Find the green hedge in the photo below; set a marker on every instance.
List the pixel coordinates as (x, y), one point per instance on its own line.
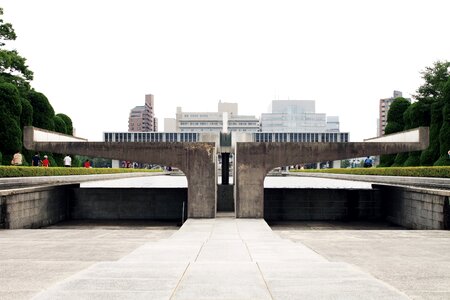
(443, 172)
(12, 171)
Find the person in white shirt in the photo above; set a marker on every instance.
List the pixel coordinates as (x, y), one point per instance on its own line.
(67, 161)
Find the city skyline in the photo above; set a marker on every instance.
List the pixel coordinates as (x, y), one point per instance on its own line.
(95, 61)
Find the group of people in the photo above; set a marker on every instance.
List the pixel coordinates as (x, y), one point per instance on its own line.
(36, 161)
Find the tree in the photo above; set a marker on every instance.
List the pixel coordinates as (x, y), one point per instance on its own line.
(60, 125)
(431, 154)
(395, 123)
(68, 123)
(435, 93)
(20, 105)
(444, 132)
(13, 68)
(43, 113)
(26, 117)
(418, 114)
(435, 78)
(10, 110)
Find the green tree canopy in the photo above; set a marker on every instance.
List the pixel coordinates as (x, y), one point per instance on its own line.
(26, 118)
(43, 113)
(60, 125)
(13, 67)
(395, 123)
(435, 78)
(68, 122)
(10, 111)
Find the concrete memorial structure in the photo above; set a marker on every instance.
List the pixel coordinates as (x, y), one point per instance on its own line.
(253, 160)
(196, 160)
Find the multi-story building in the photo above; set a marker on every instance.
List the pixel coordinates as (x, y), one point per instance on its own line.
(142, 118)
(297, 116)
(385, 104)
(227, 113)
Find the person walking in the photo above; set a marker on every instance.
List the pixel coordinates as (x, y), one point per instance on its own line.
(45, 162)
(36, 160)
(87, 163)
(368, 162)
(17, 159)
(67, 161)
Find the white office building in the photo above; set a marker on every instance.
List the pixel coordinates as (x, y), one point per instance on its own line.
(297, 116)
(227, 114)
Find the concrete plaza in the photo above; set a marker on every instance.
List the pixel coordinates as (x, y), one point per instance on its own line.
(224, 258)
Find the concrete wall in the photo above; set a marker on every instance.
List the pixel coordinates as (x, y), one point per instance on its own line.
(128, 203)
(34, 207)
(321, 205)
(416, 208)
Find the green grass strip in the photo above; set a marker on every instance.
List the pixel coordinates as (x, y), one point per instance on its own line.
(442, 172)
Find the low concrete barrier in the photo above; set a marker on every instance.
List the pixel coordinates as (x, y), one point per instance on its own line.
(34, 207)
(416, 208)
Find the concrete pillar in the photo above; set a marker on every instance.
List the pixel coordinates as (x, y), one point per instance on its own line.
(201, 173)
(249, 191)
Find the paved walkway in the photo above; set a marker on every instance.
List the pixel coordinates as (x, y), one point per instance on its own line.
(222, 258)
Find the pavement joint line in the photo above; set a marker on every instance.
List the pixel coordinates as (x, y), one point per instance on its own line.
(199, 251)
(179, 281)
(264, 279)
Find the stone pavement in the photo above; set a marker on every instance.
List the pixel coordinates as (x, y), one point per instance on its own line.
(223, 258)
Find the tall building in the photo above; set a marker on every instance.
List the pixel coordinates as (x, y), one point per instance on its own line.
(142, 118)
(385, 104)
(227, 113)
(297, 116)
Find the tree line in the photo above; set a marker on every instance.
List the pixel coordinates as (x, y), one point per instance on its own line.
(20, 104)
(432, 109)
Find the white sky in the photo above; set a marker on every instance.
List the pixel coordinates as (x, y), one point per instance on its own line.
(95, 60)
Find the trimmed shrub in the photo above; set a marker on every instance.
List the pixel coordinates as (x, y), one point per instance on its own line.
(43, 112)
(444, 138)
(400, 159)
(10, 110)
(395, 124)
(431, 154)
(413, 159)
(60, 125)
(68, 122)
(13, 171)
(417, 114)
(26, 118)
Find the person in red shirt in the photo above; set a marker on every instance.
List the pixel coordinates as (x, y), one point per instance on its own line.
(45, 162)
(87, 163)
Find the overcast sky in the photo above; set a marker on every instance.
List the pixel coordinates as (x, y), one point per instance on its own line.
(95, 60)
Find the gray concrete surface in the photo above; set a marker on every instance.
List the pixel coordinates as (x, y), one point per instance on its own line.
(224, 258)
(415, 262)
(32, 260)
